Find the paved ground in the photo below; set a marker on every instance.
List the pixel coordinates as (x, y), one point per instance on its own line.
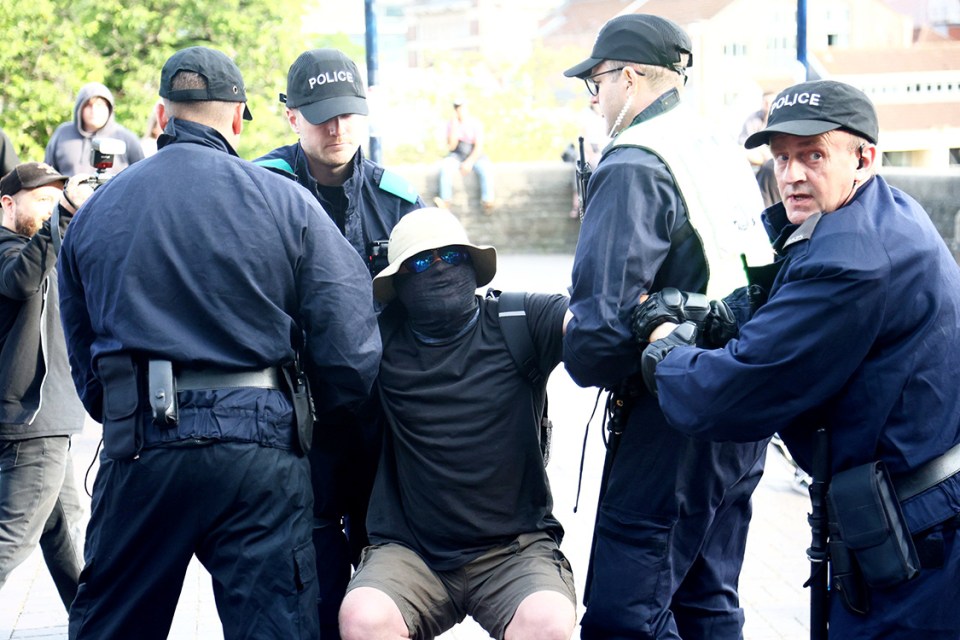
(770, 585)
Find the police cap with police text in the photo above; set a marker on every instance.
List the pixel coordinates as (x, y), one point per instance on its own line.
(812, 108)
(637, 37)
(224, 82)
(29, 175)
(324, 84)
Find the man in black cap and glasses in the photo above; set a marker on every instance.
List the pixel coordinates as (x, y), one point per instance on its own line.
(327, 108)
(195, 289)
(858, 347)
(670, 203)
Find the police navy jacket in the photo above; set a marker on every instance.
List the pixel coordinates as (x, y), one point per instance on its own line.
(861, 334)
(377, 198)
(199, 257)
(640, 253)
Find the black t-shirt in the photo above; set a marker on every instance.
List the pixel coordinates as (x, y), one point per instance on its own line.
(461, 470)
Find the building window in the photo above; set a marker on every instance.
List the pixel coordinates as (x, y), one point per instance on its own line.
(897, 159)
(955, 156)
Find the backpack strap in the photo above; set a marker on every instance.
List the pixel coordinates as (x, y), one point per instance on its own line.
(516, 332)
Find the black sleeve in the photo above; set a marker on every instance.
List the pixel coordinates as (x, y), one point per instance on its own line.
(545, 318)
(8, 155)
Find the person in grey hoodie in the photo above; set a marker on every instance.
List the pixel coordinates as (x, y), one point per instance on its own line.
(68, 150)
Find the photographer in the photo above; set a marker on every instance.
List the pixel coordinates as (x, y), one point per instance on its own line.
(365, 201)
(38, 499)
(68, 150)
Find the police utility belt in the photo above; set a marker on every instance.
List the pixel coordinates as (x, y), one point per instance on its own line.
(122, 375)
(870, 544)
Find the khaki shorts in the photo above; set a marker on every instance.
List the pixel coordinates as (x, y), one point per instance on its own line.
(489, 588)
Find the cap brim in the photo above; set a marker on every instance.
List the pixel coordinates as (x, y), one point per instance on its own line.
(323, 110)
(583, 69)
(794, 128)
(483, 257)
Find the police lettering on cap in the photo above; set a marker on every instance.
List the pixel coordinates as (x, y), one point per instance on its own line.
(812, 108)
(224, 81)
(638, 37)
(29, 175)
(324, 84)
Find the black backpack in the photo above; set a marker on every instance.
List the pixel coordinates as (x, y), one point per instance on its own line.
(516, 332)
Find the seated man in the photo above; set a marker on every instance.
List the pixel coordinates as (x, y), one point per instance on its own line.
(465, 146)
(460, 517)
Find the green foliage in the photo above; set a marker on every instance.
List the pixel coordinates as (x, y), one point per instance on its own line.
(53, 47)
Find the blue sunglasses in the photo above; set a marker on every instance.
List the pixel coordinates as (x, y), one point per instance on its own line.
(426, 259)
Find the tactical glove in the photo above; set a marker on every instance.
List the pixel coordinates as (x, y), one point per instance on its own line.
(720, 325)
(683, 336)
(669, 305)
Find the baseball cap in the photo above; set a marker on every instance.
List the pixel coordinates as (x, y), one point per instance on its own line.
(812, 108)
(424, 229)
(637, 37)
(224, 82)
(29, 175)
(324, 84)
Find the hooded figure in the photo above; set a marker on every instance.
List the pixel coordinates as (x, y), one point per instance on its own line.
(68, 150)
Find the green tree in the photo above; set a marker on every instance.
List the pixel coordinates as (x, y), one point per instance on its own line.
(54, 47)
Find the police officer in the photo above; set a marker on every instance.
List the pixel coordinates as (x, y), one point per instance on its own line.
(861, 337)
(664, 206)
(327, 109)
(188, 282)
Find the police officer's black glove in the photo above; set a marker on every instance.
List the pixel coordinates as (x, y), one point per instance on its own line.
(683, 336)
(669, 305)
(720, 325)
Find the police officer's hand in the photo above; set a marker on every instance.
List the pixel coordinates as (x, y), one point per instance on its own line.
(75, 193)
(720, 326)
(669, 305)
(684, 335)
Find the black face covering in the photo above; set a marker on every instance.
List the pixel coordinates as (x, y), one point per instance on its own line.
(441, 300)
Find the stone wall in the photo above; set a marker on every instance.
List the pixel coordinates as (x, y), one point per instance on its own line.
(534, 201)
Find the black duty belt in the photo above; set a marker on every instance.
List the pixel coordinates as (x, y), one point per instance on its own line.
(196, 379)
(929, 475)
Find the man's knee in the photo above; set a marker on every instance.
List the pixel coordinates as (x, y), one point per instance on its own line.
(544, 615)
(370, 613)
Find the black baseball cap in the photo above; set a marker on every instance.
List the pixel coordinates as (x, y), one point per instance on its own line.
(637, 37)
(29, 175)
(224, 82)
(324, 84)
(812, 108)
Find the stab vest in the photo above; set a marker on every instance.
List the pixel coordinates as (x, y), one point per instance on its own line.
(705, 165)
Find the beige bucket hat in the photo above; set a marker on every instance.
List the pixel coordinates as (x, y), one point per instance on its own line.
(424, 229)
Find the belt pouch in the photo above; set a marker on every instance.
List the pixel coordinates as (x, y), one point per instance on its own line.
(846, 578)
(302, 405)
(122, 428)
(864, 505)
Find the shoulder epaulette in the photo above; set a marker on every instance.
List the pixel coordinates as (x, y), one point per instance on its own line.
(395, 185)
(277, 165)
(804, 231)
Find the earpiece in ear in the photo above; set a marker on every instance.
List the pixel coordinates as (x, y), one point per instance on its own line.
(860, 163)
